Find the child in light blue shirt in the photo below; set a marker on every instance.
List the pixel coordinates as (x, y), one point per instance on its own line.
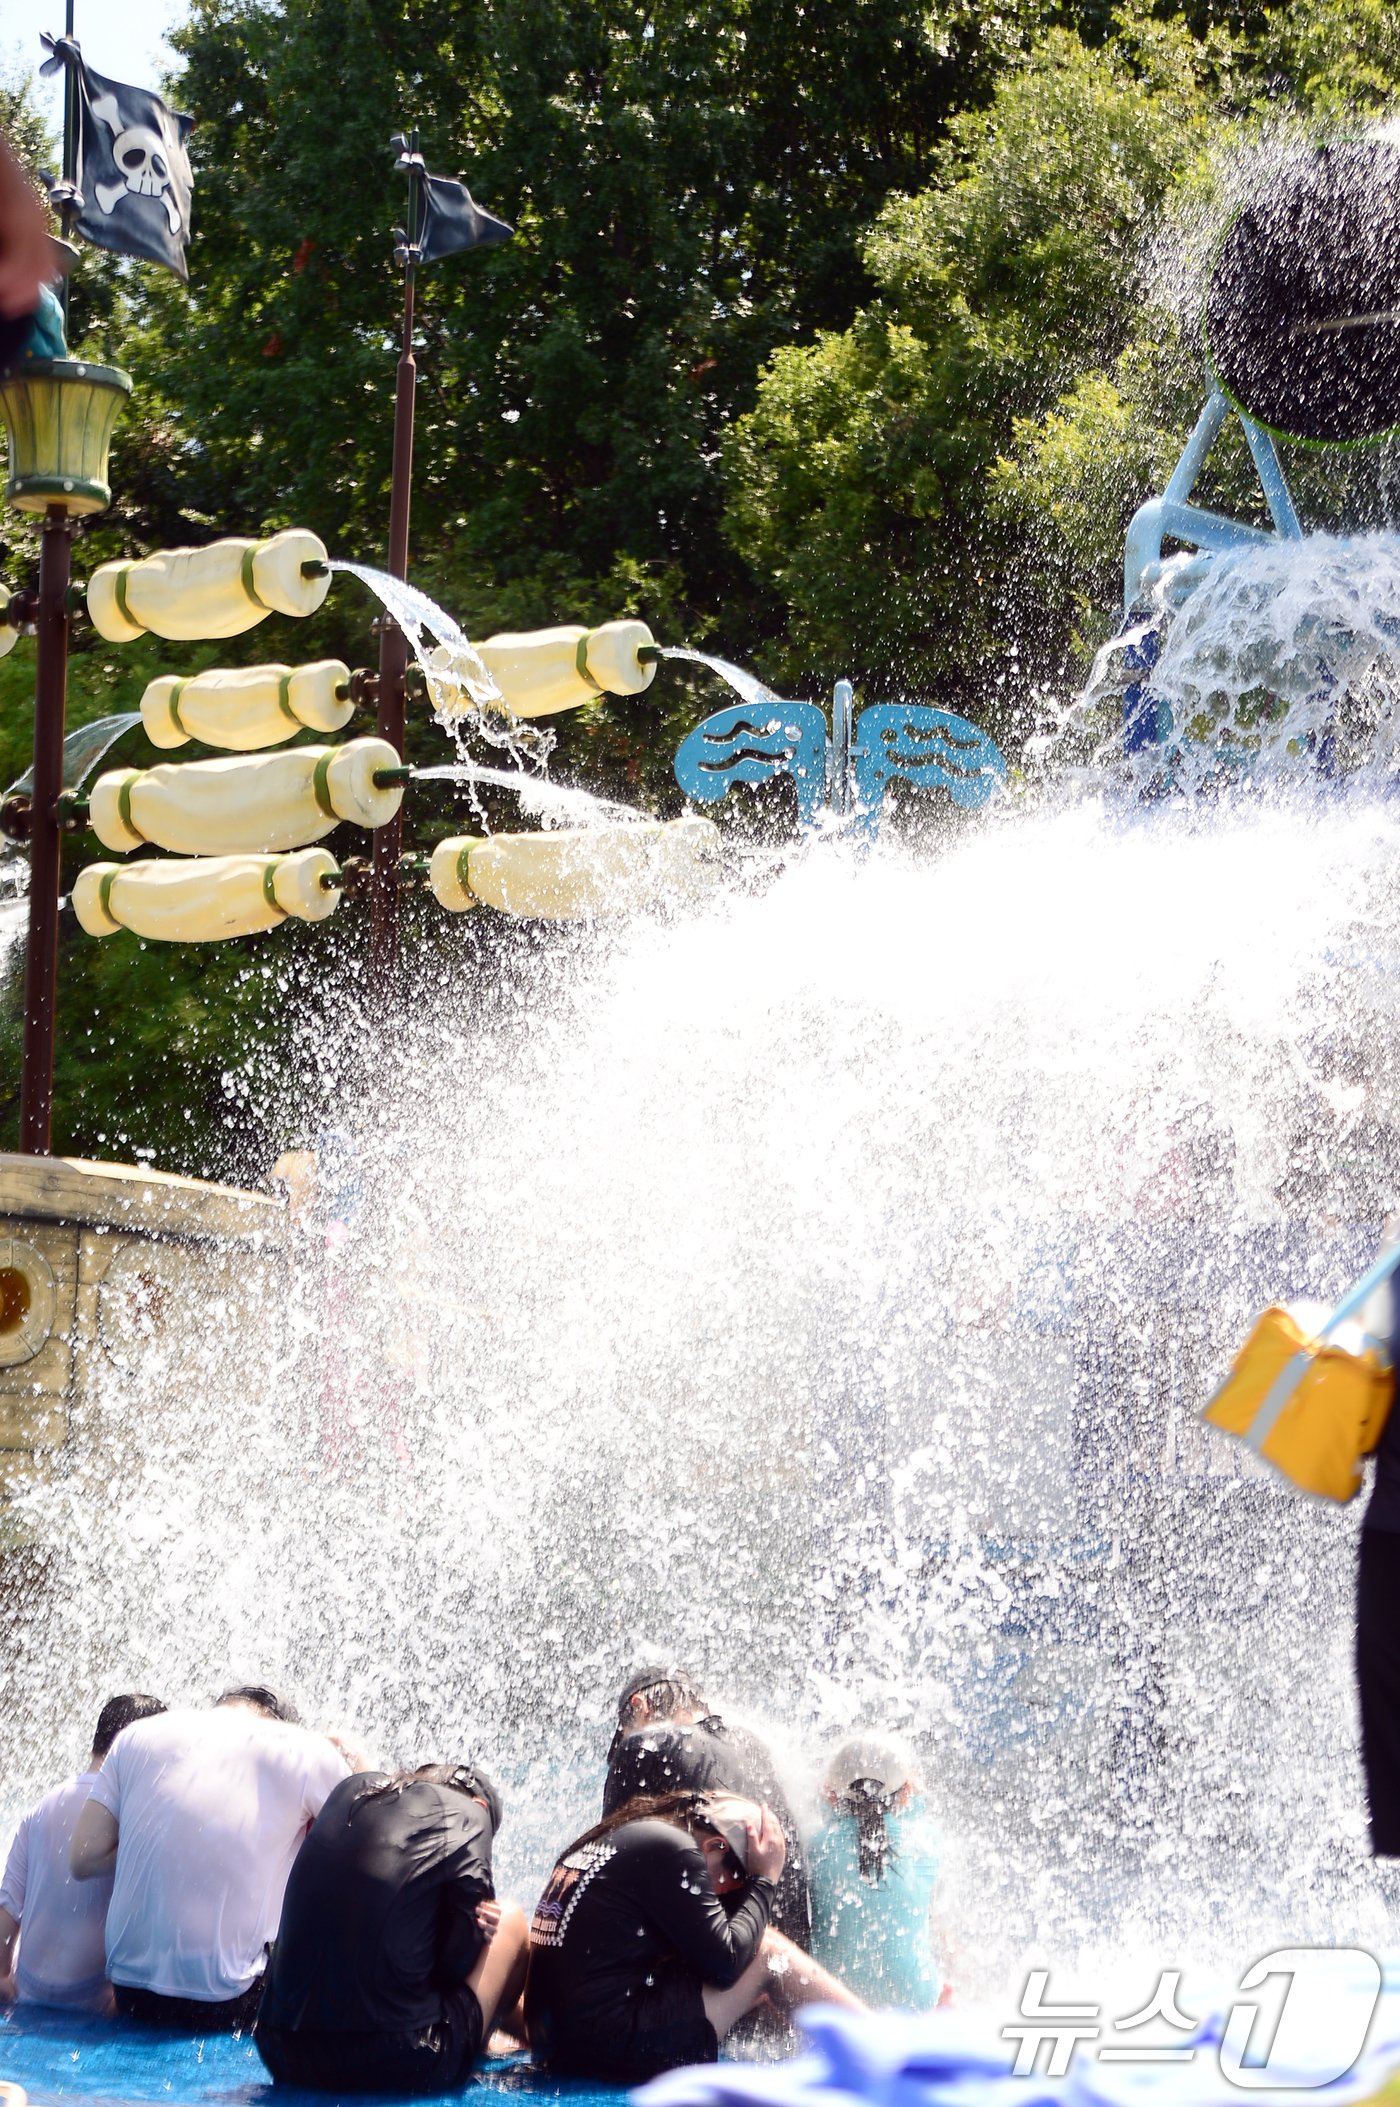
(874, 1864)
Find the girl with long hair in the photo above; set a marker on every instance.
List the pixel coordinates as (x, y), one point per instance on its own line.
(652, 1939)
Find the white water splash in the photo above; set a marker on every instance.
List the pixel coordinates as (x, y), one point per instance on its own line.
(464, 697)
(1276, 656)
(819, 1286)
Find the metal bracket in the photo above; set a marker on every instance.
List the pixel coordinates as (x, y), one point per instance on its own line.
(16, 817)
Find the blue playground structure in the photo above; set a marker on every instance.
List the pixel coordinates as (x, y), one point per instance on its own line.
(846, 773)
(1172, 516)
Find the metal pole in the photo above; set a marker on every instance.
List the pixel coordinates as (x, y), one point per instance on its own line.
(45, 839)
(393, 644)
(68, 214)
(841, 701)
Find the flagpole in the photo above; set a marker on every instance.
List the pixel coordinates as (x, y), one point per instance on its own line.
(68, 211)
(393, 644)
(50, 713)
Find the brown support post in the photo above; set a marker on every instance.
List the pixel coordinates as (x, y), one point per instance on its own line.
(393, 664)
(45, 838)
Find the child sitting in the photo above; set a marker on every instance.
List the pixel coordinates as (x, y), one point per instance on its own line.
(874, 1864)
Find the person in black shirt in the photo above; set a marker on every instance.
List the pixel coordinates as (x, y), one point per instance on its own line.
(668, 1740)
(394, 1958)
(652, 1939)
(1377, 1634)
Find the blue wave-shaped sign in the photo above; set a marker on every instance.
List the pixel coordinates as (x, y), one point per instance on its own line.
(752, 743)
(927, 747)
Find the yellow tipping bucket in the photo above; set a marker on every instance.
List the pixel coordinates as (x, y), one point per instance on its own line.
(1310, 1409)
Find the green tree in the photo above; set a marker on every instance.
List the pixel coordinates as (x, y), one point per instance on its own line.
(862, 487)
(690, 186)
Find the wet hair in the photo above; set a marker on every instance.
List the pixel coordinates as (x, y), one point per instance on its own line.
(263, 1700)
(667, 1689)
(683, 1810)
(123, 1711)
(868, 1802)
(457, 1777)
(865, 1777)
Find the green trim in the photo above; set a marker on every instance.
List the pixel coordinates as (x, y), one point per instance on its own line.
(104, 893)
(463, 875)
(119, 589)
(245, 576)
(269, 886)
(77, 369)
(284, 699)
(128, 784)
(173, 705)
(321, 785)
(62, 490)
(581, 662)
(1278, 431)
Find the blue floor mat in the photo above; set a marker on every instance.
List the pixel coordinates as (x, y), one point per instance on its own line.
(59, 2058)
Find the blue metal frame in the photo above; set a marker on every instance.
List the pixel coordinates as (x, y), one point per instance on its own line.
(1173, 514)
(1146, 721)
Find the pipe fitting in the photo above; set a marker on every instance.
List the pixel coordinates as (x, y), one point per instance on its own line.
(16, 817)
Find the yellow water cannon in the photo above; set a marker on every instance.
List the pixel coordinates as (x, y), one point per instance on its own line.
(243, 709)
(218, 591)
(543, 671)
(578, 872)
(206, 899)
(254, 804)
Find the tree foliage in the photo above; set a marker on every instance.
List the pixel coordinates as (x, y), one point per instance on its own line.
(864, 483)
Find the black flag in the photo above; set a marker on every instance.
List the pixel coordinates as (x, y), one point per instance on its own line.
(133, 176)
(452, 220)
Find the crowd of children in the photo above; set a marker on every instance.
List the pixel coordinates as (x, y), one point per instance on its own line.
(228, 1868)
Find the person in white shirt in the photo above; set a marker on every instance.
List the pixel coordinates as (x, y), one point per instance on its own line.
(61, 1926)
(201, 1813)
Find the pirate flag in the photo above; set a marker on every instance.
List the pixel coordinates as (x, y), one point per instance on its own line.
(1302, 315)
(133, 182)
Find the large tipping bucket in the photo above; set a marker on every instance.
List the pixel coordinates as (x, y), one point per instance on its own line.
(1302, 313)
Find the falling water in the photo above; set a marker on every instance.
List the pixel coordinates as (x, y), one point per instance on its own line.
(747, 686)
(819, 1285)
(553, 804)
(821, 1288)
(464, 697)
(84, 751)
(1268, 656)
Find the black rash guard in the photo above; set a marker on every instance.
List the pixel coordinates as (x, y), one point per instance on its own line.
(625, 1938)
(379, 1919)
(710, 1756)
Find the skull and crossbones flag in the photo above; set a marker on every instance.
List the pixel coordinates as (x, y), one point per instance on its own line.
(453, 220)
(133, 184)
